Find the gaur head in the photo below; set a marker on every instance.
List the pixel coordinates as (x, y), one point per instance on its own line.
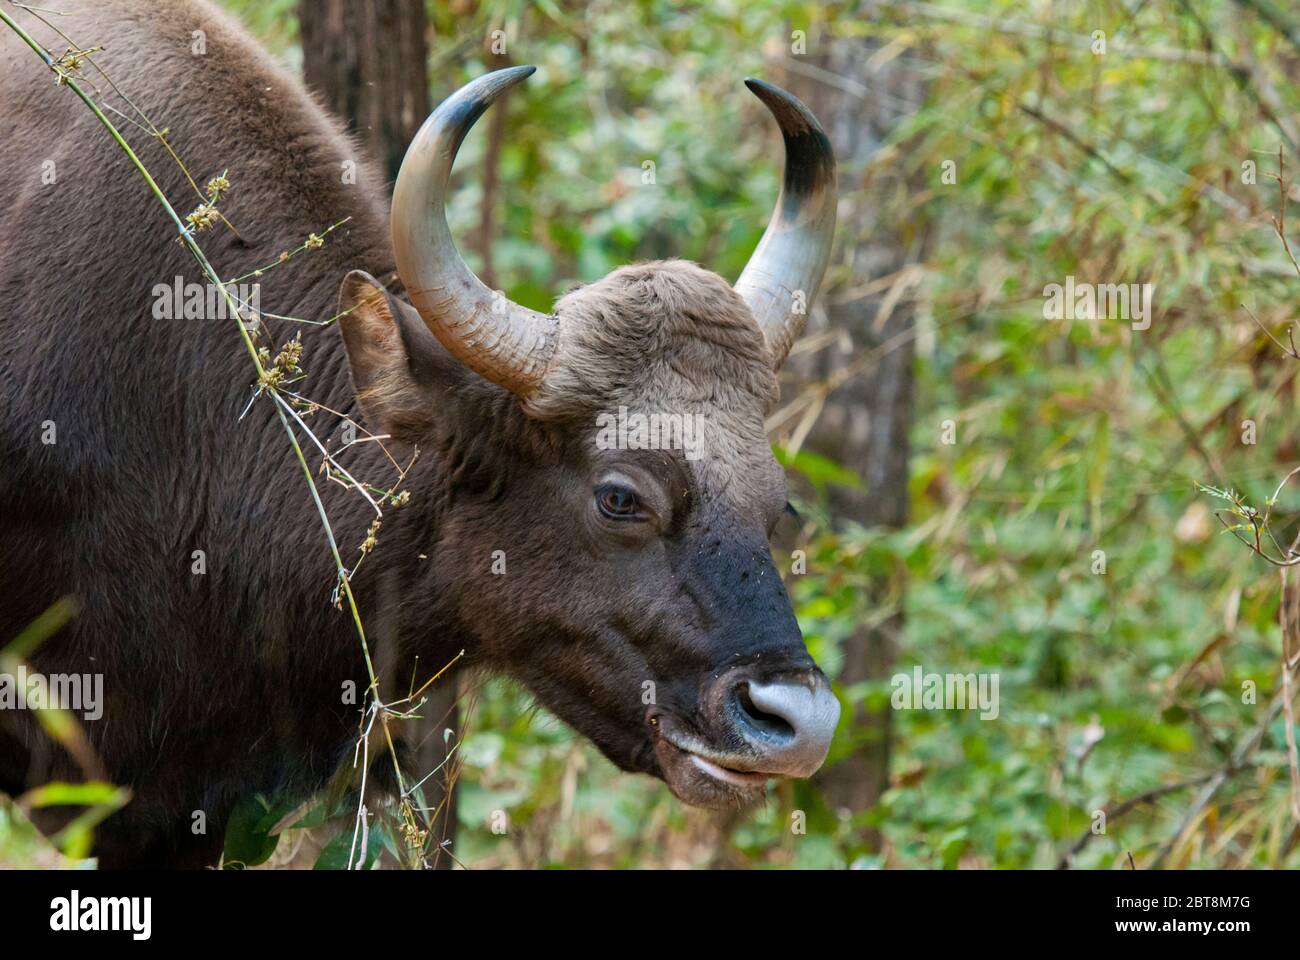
(610, 457)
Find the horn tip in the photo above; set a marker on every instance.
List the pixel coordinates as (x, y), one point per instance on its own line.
(498, 81)
(467, 104)
(788, 109)
(769, 93)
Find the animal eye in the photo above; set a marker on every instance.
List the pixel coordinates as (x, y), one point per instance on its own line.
(618, 503)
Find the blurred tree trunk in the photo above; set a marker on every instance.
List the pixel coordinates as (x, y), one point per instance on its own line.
(496, 134)
(865, 423)
(368, 60)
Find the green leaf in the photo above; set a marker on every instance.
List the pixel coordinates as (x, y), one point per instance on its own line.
(248, 841)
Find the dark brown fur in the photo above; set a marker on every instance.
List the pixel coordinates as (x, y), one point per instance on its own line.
(228, 683)
(243, 666)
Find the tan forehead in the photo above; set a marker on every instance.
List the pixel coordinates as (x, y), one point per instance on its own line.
(723, 449)
(741, 470)
(667, 335)
(669, 355)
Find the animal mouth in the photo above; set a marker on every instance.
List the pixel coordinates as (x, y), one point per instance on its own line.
(737, 778)
(704, 777)
(742, 733)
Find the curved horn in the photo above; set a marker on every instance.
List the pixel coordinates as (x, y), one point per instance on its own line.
(784, 272)
(496, 338)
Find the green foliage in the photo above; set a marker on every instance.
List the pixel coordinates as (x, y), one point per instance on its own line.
(249, 837)
(1072, 436)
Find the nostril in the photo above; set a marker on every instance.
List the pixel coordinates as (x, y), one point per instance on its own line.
(772, 724)
(786, 723)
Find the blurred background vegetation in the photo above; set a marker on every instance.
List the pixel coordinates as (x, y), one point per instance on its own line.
(1116, 142)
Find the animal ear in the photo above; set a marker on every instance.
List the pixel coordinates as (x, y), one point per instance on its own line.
(393, 358)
